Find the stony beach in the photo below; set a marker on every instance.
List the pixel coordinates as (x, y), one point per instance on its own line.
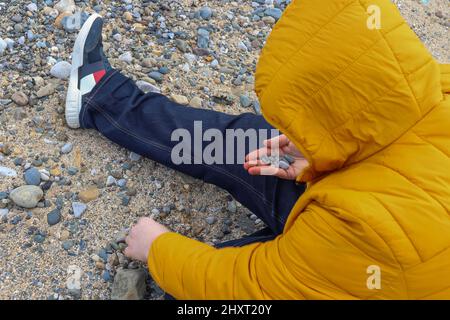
(67, 197)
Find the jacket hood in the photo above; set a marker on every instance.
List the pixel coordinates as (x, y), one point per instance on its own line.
(342, 91)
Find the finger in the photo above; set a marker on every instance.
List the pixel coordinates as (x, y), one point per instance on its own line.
(255, 163)
(259, 154)
(277, 142)
(128, 239)
(254, 155)
(144, 220)
(263, 171)
(127, 252)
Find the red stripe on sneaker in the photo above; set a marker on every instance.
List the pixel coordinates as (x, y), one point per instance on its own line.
(99, 75)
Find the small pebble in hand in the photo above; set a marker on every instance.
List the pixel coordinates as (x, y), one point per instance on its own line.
(265, 160)
(283, 165)
(289, 159)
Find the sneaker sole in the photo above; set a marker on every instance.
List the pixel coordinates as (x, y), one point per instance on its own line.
(73, 99)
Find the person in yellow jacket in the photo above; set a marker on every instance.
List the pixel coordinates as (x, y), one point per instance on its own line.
(364, 112)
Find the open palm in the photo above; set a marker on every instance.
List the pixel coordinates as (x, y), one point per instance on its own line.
(276, 147)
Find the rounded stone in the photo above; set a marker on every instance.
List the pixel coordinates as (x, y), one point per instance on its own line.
(61, 70)
(20, 98)
(67, 148)
(205, 13)
(32, 176)
(283, 165)
(26, 196)
(54, 217)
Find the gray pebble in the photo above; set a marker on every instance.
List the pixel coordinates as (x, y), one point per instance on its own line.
(78, 209)
(231, 207)
(61, 70)
(211, 220)
(289, 159)
(135, 156)
(26, 196)
(67, 148)
(245, 101)
(54, 217)
(283, 164)
(68, 244)
(155, 75)
(111, 181)
(206, 13)
(32, 177)
(7, 172)
(126, 57)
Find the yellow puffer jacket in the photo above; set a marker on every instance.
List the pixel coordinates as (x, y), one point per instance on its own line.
(370, 109)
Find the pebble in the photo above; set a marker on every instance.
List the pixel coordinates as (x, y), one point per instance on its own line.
(206, 13)
(122, 183)
(242, 46)
(4, 213)
(269, 20)
(32, 176)
(26, 196)
(73, 282)
(157, 76)
(274, 13)
(182, 45)
(67, 245)
(103, 255)
(282, 164)
(111, 181)
(72, 171)
(179, 99)
(129, 284)
(117, 37)
(39, 238)
(72, 23)
(106, 276)
(61, 70)
(147, 87)
(3, 46)
(125, 200)
(231, 207)
(126, 57)
(67, 148)
(128, 16)
(211, 220)
(203, 38)
(32, 7)
(257, 107)
(89, 194)
(289, 159)
(245, 101)
(7, 172)
(20, 98)
(65, 6)
(196, 102)
(45, 91)
(54, 217)
(78, 209)
(135, 157)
